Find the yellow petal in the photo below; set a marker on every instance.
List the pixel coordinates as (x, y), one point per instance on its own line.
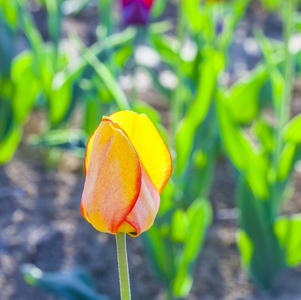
(113, 179)
(127, 228)
(151, 149)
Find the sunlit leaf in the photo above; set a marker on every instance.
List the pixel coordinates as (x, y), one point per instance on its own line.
(244, 98)
(196, 17)
(208, 71)
(245, 247)
(179, 226)
(253, 166)
(26, 86)
(122, 55)
(286, 161)
(199, 217)
(60, 100)
(9, 144)
(292, 133)
(167, 47)
(92, 115)
(10, 10)
(265, 134)
(288, 231)
(158, 8)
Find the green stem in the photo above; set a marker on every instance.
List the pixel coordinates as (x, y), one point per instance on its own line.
(124, 278)
(169, 295)
(104, 16)
(283, 109)
(177, 99)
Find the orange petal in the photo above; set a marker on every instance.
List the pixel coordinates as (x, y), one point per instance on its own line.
(149, 145)
(113, 179)
(142, 217)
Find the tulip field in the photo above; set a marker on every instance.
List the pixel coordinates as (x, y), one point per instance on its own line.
(150, 149)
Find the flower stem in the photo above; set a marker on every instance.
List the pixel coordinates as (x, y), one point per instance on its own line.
(177, 97)
(282, 109)
(124, 278)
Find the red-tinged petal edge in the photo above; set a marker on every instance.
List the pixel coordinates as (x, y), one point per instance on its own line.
(83, 210)
(143, 214)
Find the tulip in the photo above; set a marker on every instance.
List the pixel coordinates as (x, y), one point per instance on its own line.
(127, 165)
(136, 11)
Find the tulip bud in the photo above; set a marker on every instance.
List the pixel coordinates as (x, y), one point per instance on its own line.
(127, 166)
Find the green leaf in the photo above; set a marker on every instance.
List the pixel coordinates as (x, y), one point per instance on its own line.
(199, 217)
(244, 96)
(33, 35)
(106, 75)
(60, 99)
(286, 161)
(61, 91)
(179, 226)
(103, 93)
(160, 27)
(197, 18)
(10, 10)
(45, 71)
(288, 231)
(74, 284)
(208, 72)
(271, 5)
(167, 47)
(272, 59)
(54, 19)
(258, 239)
(71, 140)
(7, 87)
(265, 134)
(26, 86)
(9, 144)
(292, 132)
(122, 55)
(119, 39)
(92, 115)
(158, 8)
(7, 49)
(157, 252)
(254, 166)
(166, 198)
(245, 246)
(6, 118)
(183, 280)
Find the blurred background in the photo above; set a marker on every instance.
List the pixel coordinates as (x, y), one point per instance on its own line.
(221, 82)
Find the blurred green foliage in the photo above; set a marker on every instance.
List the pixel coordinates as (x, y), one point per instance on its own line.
(207, 118)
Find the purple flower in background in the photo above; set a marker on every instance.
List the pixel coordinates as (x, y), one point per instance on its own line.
(219, 26)
(136, 11)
